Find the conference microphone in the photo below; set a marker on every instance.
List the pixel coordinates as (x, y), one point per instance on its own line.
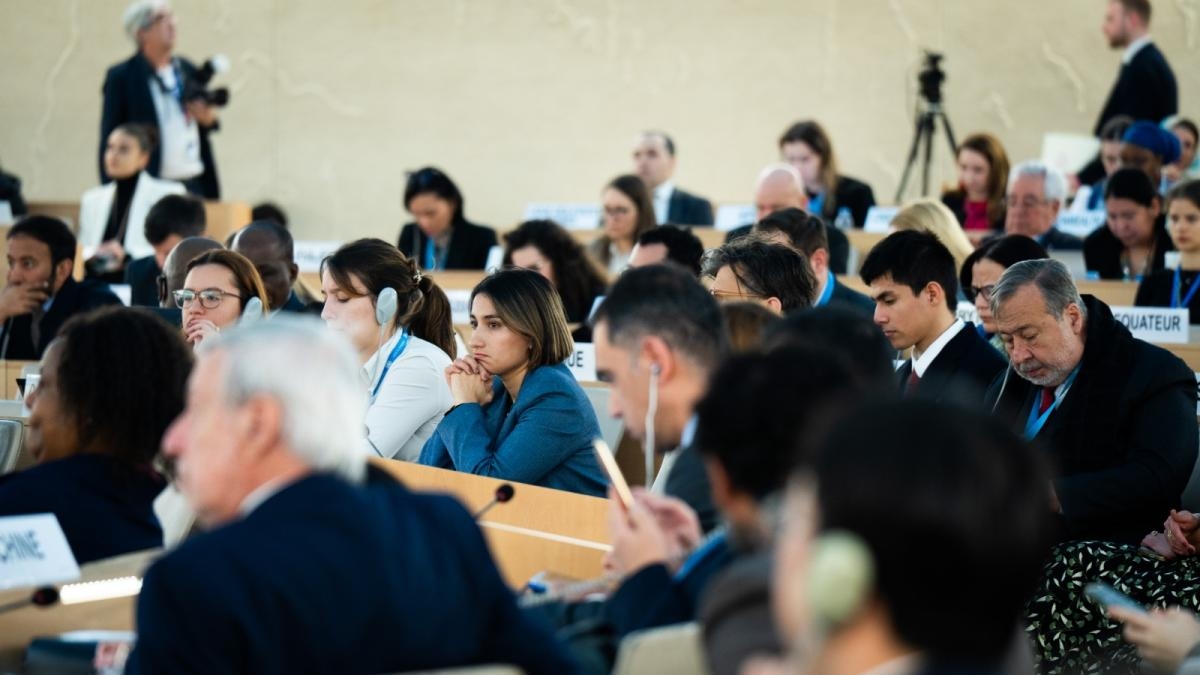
(504, 493)
(42, 597)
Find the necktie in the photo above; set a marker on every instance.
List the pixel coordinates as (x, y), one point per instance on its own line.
(35, 328)
(1046, 401)
(913, 379)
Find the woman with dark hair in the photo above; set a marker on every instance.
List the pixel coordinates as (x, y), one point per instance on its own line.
(806, 146)
(112, 216)
(978, 201)
(404, 356)
(1134, 240)
(546, 248)
(1186, 167)
(1177, 288)
(518, 412)
(441, 238)
(218, 285)
(111, 383)
(981, 271)
(628, 213)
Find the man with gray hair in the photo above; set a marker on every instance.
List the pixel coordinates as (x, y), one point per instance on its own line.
(150, 88)
(1036, 192)
(780, 187)
(1116, 414)
(313, 561)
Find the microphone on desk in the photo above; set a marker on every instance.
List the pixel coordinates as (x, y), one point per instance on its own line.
(504, 493)
(42, 597)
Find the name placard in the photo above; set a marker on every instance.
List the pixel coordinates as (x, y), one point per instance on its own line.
(34, 552)
(309, 254)
(573, 216)
(732, 216)
(1080, 223)
(582, 362)
(460, 305)
(1161, 325)
(879, 218)
(967, 312)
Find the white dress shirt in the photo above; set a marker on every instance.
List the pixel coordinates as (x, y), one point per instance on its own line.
(662, 201)
(659, 486)
(921, 361)
(1133, 48)
(412, 400)
(179, 135)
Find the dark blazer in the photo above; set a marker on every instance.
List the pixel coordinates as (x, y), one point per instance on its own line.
(10, 191)
(469, 245)
(843, 294)
(956, 201)
(172, 315)
(735, 613)
(1056, 240)
(1102, 251)
(105, 508)
(142, 277)
(74, 297)
(685, 208)
(962, 371)
(1124, 439)
(852, 194)
(688, 481)
(839, 245)
(544, 438)
(127, 99)
(1157, 288)
(326, 577)
(1145, 90)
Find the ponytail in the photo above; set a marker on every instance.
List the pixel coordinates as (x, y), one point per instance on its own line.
(431, 319)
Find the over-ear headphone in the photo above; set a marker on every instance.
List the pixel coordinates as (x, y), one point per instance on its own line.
(841, 574)
(386, 306)
(253, 310)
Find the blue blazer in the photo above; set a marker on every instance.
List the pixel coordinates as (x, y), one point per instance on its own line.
(544, 438)
(329, 577)
(104, 507)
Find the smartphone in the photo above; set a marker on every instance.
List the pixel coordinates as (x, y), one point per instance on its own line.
(609, 463)
(1106, 596)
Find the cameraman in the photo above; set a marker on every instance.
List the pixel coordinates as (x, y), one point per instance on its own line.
(149, 89)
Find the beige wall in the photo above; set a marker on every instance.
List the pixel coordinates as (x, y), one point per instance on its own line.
(539, 100)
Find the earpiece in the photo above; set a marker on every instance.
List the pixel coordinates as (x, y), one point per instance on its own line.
(841, 575)
(253, 310)
(655, 370)
(386, 306)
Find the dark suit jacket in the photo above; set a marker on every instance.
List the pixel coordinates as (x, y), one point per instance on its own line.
(72, 298)
(962, 370)
(685, 208)
(105, 508)
(688, 481)
(1124, 439)
(1156, 290)
(852, 194)
(127, 99)
(843, 294)
(142, 277)
(469, 245)
(839, 245)
(326, 577)
(1145, 90)
(1056, 240)
(735, 613)
(1102, 251)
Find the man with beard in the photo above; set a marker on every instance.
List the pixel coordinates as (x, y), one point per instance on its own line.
(1115, 414)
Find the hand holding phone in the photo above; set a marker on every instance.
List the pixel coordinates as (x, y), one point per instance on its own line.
(1108, 597)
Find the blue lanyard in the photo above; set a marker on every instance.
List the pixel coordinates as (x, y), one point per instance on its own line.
(1176, 303)
(815, 204)
(706, 549)
(433, 261)
(1035, 422)
(396, 352)
(828, 292)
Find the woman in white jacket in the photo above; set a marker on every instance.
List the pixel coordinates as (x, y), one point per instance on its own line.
(112, 216)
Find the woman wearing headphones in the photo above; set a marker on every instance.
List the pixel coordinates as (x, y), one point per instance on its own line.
(398, 321)
(518, 412)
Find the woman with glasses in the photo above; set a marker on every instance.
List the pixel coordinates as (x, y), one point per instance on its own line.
(219, 283)
(628, 212)
(982, 269)
(404, 356)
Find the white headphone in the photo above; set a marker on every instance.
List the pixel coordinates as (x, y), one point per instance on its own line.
(386, 306)
(841, 574)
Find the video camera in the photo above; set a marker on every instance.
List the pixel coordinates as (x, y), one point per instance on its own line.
(196, 87)
(931, 77)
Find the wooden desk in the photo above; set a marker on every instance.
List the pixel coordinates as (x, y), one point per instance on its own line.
(863, 241)
(19, 627)
(1111, 293)
(540, 529)
(710, 237)
(12, 372)
(66, 211)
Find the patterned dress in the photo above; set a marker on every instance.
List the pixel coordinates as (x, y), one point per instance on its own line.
(1070, 634)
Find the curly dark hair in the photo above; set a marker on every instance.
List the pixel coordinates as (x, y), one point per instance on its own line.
(122, 375)
(576, 277)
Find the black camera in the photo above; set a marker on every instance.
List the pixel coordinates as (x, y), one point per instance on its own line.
(931, 77)
(196, 86)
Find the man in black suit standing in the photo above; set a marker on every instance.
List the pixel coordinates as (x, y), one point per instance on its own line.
(1145, 88)
(41, 294)
(149, 88)
(654, 163)
(914, 284)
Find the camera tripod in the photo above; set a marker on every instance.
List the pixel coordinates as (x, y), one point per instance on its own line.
(924, 133)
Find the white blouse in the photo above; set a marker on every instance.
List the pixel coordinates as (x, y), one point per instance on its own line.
(411, 401)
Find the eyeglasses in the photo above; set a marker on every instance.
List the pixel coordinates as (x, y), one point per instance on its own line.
(985, 290)
(731, 295)
(1027, 204)
(210, 298)
(617, 210)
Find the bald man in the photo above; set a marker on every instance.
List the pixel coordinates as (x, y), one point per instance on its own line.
(779, 187)
(174, 272)
(268, 245)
